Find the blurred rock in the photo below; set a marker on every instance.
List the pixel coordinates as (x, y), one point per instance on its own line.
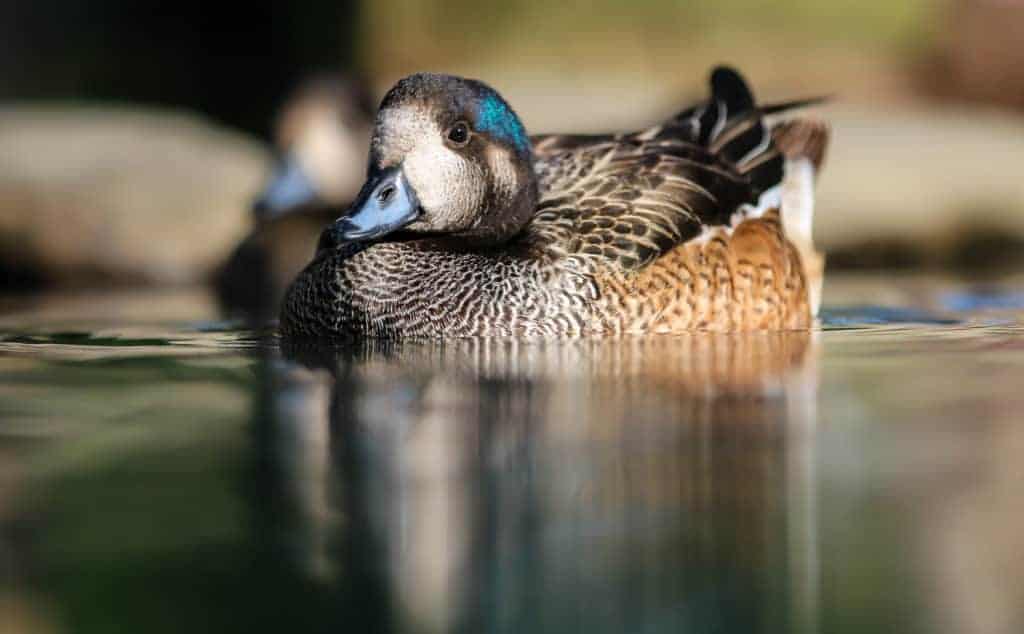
(921, 185)
(120, 195)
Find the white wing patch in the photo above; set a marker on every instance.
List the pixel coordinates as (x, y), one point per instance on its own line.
(794, 197)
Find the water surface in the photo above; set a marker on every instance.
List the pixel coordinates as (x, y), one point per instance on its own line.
(161, 470)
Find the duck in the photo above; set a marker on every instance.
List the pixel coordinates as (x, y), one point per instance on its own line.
(320, 136)
(468, 227)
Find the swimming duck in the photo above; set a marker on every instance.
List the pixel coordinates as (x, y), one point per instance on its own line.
(321, 135)
(466, 226)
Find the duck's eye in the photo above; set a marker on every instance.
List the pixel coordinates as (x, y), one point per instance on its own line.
(458, 134)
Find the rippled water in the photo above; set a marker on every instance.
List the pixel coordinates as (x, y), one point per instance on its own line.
(164, 471)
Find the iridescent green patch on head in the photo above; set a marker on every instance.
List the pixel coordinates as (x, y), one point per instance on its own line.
(498, 120)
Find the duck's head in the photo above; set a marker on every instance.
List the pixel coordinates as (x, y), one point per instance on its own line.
(448, 156)
(321, 135)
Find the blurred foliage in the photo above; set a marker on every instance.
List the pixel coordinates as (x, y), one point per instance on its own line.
(518, 32)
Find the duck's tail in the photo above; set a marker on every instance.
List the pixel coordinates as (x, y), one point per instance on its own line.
(784, 157)
(803, 143)
(733, 126)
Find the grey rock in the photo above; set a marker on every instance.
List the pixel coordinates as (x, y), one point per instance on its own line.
(122, 195)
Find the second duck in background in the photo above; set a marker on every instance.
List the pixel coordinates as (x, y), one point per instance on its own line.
(321, 135)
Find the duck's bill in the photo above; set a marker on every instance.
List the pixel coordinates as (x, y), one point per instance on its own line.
(386, 203)
(289, 189)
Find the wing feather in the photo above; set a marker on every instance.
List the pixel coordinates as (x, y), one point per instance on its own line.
(626, 199)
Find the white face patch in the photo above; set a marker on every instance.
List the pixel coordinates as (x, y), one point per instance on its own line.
(398, 130)
(450, 187)
(503, 170)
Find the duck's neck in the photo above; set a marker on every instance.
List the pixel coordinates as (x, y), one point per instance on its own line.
(509, 204)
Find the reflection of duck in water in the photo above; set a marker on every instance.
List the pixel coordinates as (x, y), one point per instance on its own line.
(322, 133)
(468, 227)
(684, 366)
(490, 484)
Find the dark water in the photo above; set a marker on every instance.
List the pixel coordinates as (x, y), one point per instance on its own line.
(164, 472)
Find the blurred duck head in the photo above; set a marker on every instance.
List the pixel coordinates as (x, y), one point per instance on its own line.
(321, 137)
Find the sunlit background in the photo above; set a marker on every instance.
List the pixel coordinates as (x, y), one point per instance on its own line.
(161, 469)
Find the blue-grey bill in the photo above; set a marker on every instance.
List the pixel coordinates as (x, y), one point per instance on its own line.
(386, 203)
